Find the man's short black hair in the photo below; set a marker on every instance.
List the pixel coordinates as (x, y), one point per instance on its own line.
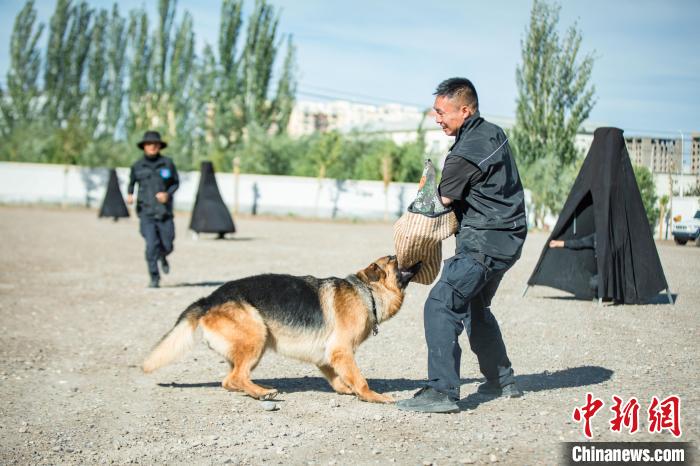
(461, 88)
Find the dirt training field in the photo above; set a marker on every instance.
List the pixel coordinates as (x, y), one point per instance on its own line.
(77, 321)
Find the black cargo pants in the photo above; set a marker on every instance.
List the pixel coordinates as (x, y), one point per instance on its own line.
(461, 299)
(159, 236)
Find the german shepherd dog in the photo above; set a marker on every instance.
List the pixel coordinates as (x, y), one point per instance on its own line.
(319, 320)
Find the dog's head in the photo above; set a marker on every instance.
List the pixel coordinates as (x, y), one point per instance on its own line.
(386, 270)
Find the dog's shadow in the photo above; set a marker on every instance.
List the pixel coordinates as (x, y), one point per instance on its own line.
(317, 384)
(566, 378)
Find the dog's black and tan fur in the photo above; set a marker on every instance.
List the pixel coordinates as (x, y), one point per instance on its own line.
(319, 320)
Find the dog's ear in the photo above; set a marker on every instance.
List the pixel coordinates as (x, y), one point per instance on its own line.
(372, 273)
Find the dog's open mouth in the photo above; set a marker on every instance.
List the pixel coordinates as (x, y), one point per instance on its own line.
(408, 273)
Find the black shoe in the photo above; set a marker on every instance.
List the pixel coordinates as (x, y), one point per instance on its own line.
(155, 282)
(493, 388)
(164, 266)
(429, 400)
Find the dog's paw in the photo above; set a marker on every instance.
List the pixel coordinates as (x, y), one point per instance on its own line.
(343, 391)
(374, 397)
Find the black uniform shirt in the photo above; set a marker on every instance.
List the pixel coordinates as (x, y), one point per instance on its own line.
(154, 175)
(458, 175)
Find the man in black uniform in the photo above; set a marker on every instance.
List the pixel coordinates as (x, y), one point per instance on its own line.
(480, 180)
(158, 181)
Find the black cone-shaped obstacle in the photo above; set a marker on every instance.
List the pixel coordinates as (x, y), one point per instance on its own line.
(113, 204)
(210, 214)
(604, 201)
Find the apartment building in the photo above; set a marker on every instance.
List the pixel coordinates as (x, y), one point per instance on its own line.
(695, 154)
(660, 155)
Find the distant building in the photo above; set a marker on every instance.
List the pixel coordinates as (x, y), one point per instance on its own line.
(695, 154)
(343, 116)
(659, 155)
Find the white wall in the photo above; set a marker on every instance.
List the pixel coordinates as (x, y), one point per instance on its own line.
(278, 195)
(681, 183)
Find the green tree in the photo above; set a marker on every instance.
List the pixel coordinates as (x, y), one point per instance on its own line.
(140, 60)
(106, 79)
(258, 59)
(56, 69)
(647, 188)
(180, 91)
(234, 98)
(283, 102)
(77, 46)
(162, 39)
(19, 105)
(98, 78)
(116, 65)
(554, 98)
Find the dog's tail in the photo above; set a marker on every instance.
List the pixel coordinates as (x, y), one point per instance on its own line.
(177, 341)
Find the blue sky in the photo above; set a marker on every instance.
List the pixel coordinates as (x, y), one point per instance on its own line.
(646, 74)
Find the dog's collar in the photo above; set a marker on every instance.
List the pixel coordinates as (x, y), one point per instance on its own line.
(368, 291)
(375, 325)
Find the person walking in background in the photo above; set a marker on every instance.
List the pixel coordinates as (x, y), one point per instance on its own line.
(157, 178)
(481, 182)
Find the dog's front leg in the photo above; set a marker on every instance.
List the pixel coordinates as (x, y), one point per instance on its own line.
(343, 362)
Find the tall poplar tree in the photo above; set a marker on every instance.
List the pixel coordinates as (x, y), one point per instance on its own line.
(19, 106)
(554, 98)
(139, 67)
(98, 79)
(116, 67)
(56, 69)
(226, 113)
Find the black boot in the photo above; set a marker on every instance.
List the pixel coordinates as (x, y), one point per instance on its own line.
(493, 388)
(164, 266)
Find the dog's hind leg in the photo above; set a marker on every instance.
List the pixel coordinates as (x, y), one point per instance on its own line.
(334, 379)
(238, 333)
(239, 378)
(343, 363)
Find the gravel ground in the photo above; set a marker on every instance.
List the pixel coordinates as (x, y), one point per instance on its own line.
(77, 320)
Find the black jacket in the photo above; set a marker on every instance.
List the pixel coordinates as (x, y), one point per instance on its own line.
(492, 214)
(153, 176)
(586, 242)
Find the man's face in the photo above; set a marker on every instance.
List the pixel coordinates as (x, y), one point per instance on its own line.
(450, 114)
(151, 148)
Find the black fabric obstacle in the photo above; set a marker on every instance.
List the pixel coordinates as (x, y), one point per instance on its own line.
(210, 214)
(604, 200)
(113, 204)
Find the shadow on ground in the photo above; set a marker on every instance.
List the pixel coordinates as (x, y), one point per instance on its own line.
(566, 378)
(207, 237)
(317, 384)
(661, 298)
(195, 284)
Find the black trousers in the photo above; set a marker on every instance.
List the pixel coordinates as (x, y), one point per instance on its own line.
(159, 236)
(461, 300)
